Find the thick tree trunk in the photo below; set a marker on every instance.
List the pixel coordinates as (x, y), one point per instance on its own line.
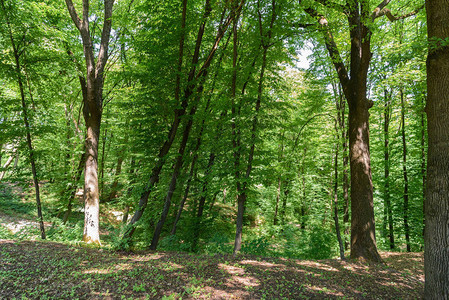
(92, 88)
(91, 233)
(405, 175)
(363, 236)
(436, 255)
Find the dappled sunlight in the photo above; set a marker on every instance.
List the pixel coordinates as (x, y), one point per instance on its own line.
(231, 269)
(97, 271)
(263, 264)
(101, 274)
(143, 258)
(324, 291)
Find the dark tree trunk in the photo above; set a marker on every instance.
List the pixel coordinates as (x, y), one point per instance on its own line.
(278, 190)
(423, 161)
(388, 213)
(16, 55)
(197, 147)
(405, 175)
(335, 199)
(436, 255)
(276, 207)
(242, 192)
(72, 191)
(175, 175)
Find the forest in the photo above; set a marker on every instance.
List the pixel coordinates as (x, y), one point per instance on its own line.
(307, 130)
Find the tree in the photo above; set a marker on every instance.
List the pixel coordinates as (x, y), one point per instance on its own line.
(92, 88)
(17, 53)
(354, 85)
(436, 237)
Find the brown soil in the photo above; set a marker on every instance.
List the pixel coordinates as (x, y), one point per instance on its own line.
(58, 271)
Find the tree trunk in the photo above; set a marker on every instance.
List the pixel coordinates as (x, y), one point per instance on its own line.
(436, 255)
(404, 173)
(363, 238)
(192, 77)
(16, 55)
(276, 207)
(388, 214)
(242, 192)
(92, 88)
(423, 161)
(72, 192)
(7, 163)
(176, 171)
(336, 222)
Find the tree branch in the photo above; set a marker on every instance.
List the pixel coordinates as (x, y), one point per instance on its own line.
(73, 14)
(104, 44)
(382, 11)
(332, 49)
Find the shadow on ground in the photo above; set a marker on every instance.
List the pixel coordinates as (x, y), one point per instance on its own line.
(52, 270)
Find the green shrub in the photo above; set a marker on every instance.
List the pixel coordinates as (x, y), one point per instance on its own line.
(257, 246)
(67, 233)
(219, 243)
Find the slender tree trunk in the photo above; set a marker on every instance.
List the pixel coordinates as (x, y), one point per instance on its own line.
(388, 214)
(197, 147)
(404, 173)
(242, 196)
(278, 195)
(335, 196)
(72, 191)
(7, 163)
(284, 201)
(436, 238)
(176, 171)
(278, 190)
(16, 55)
(423, 161)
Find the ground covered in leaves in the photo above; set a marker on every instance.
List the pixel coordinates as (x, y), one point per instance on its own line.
(40, 270)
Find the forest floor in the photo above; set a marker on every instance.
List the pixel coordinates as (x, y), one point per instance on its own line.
(43, 270)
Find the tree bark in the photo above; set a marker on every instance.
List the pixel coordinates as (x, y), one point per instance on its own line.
(436, 238)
